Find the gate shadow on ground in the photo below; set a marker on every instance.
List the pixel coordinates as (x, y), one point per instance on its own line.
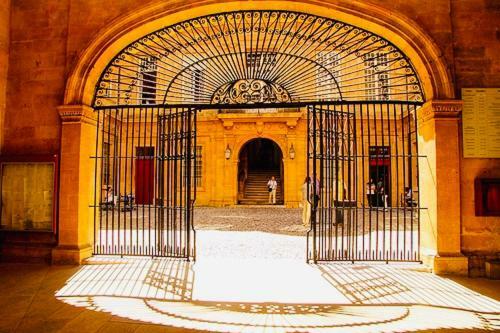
(161, 278)
(383, 298)
(403, 284)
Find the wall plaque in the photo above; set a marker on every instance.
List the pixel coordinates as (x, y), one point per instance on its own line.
(481, 122)
(28, 186)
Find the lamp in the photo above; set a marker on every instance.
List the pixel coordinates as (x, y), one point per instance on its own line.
(291, 152)
(227, 152)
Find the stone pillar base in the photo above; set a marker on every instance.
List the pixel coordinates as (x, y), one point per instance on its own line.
(69, 255)
(448, 265)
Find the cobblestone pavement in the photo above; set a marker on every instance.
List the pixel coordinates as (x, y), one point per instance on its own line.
(279, 220)
(274, 219)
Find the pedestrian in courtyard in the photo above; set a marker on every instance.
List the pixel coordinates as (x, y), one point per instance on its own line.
(408, 198)
(383, 197)
(370, 192)
(109, 201)
(316, 187)
(379, 193)
(272, 185)
(306, 205)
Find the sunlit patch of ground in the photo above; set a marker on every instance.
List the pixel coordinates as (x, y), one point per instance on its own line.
(260, 282)
(242, 281)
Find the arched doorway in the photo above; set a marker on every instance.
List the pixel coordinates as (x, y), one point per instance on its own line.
(259, 160)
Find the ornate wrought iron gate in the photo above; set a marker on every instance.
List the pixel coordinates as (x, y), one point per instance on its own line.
(361, 94)
(363, 173)
(148, 152)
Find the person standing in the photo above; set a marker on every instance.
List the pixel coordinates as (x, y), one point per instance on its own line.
(383, 196)
(306, 205)
(379, 196)
(272, 185)
(370, 192)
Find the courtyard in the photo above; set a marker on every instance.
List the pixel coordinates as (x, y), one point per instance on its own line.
(242, 282)
(250, 275)
(363, 231)
(141, 142)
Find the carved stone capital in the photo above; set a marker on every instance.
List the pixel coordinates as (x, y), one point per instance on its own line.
(259, 126)
(77, 114)
(291, 123)
(227, 124)
(440, 109)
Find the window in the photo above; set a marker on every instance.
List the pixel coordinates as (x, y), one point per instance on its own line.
(145, 152)
(326, 84)
(147, 75)
(261, 64)
(376, 77)
(198, 171)
(197, 84)
(111, 90)
(106, 154)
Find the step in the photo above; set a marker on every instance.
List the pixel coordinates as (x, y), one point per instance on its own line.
(259, 190)
(256, 202)
(257, 195)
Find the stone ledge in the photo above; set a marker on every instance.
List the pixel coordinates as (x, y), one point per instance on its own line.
(71, 255)
(492, 269)
(448, 265)
(77, 114)
(440, 109)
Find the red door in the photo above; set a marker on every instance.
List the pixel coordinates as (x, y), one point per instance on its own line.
(144, 180)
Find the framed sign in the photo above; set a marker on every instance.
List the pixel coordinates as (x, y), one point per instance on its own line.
(28, 186)
(481, 122)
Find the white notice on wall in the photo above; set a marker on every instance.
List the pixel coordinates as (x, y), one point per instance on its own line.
(481, 122)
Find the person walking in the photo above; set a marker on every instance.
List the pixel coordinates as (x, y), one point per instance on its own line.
(306, 205)
(272, 185)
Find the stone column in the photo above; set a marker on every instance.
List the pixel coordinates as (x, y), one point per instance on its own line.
(230, 170)
(292, 180)
(438, 140)
(76, 192)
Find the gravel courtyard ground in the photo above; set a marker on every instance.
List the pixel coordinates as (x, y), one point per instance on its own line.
(286, 221)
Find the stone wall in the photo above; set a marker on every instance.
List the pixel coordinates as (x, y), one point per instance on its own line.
(47, 36)
(4, 60)
(476, 41)
(36, 77)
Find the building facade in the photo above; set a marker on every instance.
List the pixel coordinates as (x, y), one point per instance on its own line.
(97, 91)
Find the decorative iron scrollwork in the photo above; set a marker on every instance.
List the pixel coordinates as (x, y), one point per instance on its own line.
(248, 91)
(258, 56)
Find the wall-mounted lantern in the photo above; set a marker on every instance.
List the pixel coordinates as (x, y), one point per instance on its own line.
(227, 152)
(291, 152)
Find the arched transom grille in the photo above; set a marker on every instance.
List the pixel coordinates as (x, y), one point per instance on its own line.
(247, 57)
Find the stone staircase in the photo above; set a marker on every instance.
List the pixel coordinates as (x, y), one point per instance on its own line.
(256, 192)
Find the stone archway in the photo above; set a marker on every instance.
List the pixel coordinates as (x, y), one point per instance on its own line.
(398, 29)
(258, 160)
(75, 223)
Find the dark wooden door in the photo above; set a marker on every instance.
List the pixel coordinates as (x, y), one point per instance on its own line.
(144, 176)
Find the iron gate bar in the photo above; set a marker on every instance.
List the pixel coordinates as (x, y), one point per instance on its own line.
(260, 105)
(333, 154)
(164, 159)
(340, 209)
(358, 90)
